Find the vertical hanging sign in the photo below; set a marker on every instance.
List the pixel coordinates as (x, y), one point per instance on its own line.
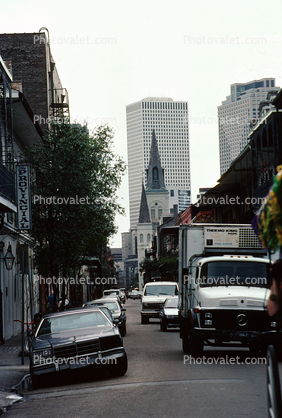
(24, 200)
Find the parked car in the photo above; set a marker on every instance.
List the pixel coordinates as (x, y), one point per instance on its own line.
(116, 308)
(73, 339)
(135, 294)
(169, 316)
(123, 296)
(115, 293)
(107, 312)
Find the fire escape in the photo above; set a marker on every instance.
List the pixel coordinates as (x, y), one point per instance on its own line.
(58, 96)
(7, 182)
(59, 107)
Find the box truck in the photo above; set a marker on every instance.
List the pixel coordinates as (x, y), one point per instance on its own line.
(223, 288)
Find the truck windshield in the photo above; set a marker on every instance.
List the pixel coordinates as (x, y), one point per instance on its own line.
(234, 273)
(161, 290)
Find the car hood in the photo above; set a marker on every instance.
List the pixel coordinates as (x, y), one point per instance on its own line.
(154, 299)
(68, 337)
(171, 311)
(115, 314)
(233, 296)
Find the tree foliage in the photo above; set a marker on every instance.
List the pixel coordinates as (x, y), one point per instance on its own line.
(167, 265)
(75, 180)
(147, 267)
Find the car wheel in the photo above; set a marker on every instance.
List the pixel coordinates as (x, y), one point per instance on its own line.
(163, 326)
(120, 368)
(36, 381)
(273, 384)
(123, 331)
(144, 320)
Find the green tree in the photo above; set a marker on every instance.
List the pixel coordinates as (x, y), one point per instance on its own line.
(75, 180)
(148, 266)
(168, 265)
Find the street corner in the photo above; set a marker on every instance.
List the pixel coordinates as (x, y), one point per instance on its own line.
(7, 399)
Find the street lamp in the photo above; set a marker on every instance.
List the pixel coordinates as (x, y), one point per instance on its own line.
(9, 258)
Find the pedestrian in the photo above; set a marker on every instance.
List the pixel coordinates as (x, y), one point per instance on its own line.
(274, 303)
(50, 302)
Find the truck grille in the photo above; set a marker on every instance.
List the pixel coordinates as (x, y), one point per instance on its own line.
(228, 320)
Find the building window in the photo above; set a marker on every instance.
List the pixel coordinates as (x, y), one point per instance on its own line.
(148, 237)
(141, 238)
(172, 193)
(155, 174)
(160, 211)
(153, 214)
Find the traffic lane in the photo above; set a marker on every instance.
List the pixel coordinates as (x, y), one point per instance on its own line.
(158, 372)
(154, 355)
(191, 398)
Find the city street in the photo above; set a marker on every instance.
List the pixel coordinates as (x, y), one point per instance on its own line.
(157, 383)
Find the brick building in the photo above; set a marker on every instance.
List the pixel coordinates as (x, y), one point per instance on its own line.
(34, 70)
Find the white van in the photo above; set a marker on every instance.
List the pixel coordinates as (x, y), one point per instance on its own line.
(154, 296)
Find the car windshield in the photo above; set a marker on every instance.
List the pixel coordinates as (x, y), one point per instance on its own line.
(73, 321)
(171, 303)
(112, 306)
(106, 311)
(234, 273)
(161, 290)
(111, 292)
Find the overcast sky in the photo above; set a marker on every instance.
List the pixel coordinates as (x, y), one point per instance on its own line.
(111, 53)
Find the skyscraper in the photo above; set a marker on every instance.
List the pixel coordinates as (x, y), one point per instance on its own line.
(169, 119)
(238, 114)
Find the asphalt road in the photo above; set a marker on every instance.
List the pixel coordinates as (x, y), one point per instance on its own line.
(160, 382)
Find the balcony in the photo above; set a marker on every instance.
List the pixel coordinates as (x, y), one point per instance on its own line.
(7, 190)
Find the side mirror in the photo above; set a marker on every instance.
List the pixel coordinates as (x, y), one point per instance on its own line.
(192, 283)
(123, 309)
(115, 321)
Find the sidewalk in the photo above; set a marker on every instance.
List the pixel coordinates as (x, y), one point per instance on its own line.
(11, 370)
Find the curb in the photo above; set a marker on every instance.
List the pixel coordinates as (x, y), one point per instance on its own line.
(16, 394)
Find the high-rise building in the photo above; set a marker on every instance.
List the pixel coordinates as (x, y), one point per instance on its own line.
(169, 119)
(238, 114)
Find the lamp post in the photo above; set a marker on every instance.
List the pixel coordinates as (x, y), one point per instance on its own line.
(9, 261)
(9, 258)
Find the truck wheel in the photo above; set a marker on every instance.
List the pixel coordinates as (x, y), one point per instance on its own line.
(196, 347)
(258, 349)
(144, 320)
(186, 345)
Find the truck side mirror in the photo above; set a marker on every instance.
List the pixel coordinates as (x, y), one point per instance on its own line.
(192, 283)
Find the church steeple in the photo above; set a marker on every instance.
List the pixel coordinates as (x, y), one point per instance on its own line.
(155, 174)
(144, 216)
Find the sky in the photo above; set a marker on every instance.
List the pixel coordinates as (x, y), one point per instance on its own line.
(110, 53)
